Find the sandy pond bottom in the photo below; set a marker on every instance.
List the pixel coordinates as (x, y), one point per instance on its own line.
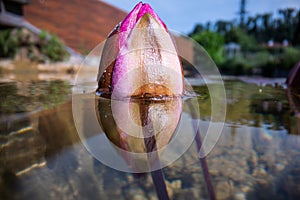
(41, 156)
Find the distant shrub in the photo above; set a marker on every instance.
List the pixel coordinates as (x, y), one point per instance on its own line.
(40, 47)
(264, 62)
(236, 66)
(213, 43)
(53, 48)
(43, 35)
(290, 57)
(237, 35)
(8, 44)
(258, 59)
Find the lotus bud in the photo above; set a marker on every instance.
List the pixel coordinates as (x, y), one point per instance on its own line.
(140, 58)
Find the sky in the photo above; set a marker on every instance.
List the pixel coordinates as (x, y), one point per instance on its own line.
(183, 15)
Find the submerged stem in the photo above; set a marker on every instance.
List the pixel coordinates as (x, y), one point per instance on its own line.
(159, 184)
(153, 157)
(204, 166)
(203, 162)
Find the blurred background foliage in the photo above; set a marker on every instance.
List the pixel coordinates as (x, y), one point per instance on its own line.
(19, 42)
(260, 44)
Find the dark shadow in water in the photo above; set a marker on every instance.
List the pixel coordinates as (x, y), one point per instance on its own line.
(9, 185)
(58, 131)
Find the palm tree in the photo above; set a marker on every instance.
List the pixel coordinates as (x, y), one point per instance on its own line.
(288, 27)
(251, 24)
(242, 13)
(296, 39)
(223, 27)
(267, 26)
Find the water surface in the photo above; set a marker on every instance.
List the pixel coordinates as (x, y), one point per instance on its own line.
(257, 156)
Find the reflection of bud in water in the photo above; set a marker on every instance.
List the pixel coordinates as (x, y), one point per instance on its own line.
(139, 129)
(139, 126)
(140, 59)
(131, 125)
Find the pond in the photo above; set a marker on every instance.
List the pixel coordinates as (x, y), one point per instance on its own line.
(257, 156)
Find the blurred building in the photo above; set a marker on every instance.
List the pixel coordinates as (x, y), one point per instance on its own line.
(11, 13)
(232, 49)
(81, 24)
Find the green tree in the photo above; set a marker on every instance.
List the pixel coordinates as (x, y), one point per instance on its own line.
(213, 43)
(239, 36)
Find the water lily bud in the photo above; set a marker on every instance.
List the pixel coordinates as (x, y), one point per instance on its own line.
(140, 70)
(139, 126)
(140, 58)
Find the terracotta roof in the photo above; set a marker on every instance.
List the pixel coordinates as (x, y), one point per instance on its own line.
(81, 24)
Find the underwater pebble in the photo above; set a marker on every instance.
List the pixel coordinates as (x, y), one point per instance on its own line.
(240, 196)
(136, 194)
(130, 179)
(279, 167)
(213, 172)
(176, 184)
(139, 197)
(259, 172)
(173, 186)
(196, 193)
(224, 190)
(153, 196)
(170, 191)
(245, 189)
